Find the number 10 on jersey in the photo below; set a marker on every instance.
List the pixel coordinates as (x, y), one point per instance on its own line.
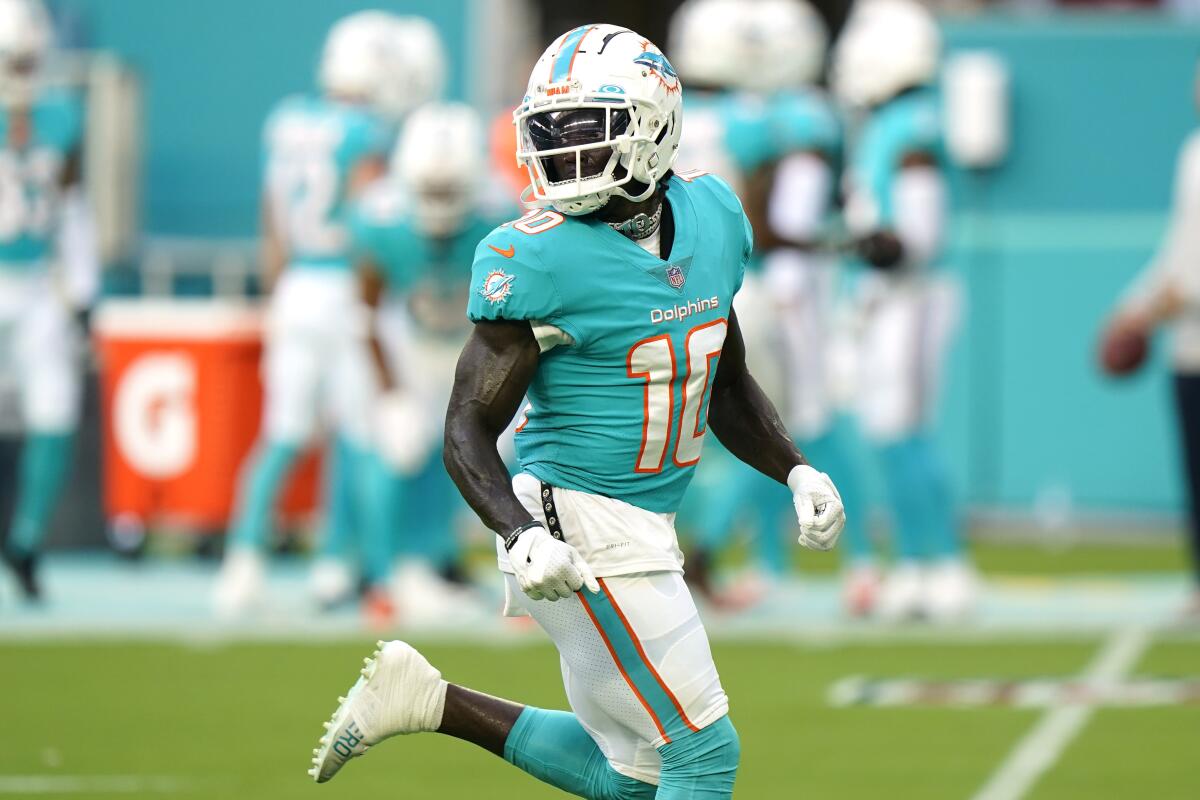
(653, 361)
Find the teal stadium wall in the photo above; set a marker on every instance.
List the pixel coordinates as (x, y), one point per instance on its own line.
(211, 72)
(1043, 244)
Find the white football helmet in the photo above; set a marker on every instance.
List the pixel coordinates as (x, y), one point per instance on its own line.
(710, 42)
(360, 56)
(418, 71)
(792, 41)
(887, 46)
(439, 160)
(601, 117)
(25, 35)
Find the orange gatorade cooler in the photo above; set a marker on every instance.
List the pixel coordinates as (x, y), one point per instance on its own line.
(181, 399)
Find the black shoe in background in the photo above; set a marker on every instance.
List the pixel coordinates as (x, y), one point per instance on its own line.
(24, 569)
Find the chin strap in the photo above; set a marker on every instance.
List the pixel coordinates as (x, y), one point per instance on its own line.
(641, 225)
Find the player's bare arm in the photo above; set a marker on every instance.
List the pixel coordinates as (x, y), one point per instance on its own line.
(744, 418)
(494, 370)
(747, 423)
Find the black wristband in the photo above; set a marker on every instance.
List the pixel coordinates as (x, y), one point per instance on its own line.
(511, 539)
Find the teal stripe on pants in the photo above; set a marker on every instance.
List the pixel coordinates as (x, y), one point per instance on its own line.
(636, 669)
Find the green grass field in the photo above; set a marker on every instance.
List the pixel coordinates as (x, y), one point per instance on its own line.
(239, 721)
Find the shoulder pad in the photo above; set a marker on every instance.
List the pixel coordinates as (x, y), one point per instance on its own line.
(714, 185)
(510, 278)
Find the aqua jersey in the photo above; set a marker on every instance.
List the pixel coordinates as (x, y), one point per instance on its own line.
(385, 231)
(726, 133)
(911, 123)
(621, 408)
(803, 120)
(31, 177)
(311, 148)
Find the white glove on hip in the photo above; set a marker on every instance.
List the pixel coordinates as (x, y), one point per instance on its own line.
(404, 436)
(547, 569)
(818, 507)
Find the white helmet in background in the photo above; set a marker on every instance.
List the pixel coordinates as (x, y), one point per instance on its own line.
(709, 42)
(792, 41)
(25, 35)
(887, 46)
(359, 56)
(601, 117)
(439, 160)
(418, 71)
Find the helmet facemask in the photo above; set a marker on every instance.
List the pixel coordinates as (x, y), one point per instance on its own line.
(580, 151)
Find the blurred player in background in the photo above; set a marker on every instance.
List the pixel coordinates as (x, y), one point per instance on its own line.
(756, 118)
(417, 233)
(1167, 294)
(48, 270)
(347, 556)
(613, 312)
(320, 153)
(885, 66)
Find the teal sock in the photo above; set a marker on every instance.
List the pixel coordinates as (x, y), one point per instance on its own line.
(832, 453)
(261, 482)
(922, 502)
(772, 502)
(340, 524)
(554, 748)
(44, 461)
(701, 766)
(904, 475)
(722, 500)
(382, 498)
(941, 532)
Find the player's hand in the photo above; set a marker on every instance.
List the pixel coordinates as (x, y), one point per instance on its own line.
(547, 569)
(818, 507)
(402, 432)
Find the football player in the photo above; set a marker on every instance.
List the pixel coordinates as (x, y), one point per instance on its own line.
(754, 113)
(319, 152)
(43, 222)
(416, 233)
(884, 69)
(346, 555)
(610, 308)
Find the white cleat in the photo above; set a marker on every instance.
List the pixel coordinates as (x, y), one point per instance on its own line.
(951, 591)
(397, 692)
(425, 599)
(331, 582)
(241, 583)
(902, 593)
(861, 587)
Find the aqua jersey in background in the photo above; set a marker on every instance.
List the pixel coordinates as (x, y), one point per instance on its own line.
(621, 409)
(727, 133)
(910, 123)
(803, 120)
(31, 178)
(385, 232)
(311, 147)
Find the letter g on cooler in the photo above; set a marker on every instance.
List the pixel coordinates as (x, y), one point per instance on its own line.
(154, 415)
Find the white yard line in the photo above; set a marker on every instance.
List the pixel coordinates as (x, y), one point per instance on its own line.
(1042, 747)
(92, 784)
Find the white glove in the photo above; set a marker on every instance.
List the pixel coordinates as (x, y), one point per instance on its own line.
(403, 431)
(818, 507)
(547, 569)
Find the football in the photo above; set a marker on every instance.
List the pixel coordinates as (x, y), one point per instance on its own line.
(1123, 350)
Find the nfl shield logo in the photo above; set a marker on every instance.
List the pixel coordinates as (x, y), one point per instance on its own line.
(675, 277)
